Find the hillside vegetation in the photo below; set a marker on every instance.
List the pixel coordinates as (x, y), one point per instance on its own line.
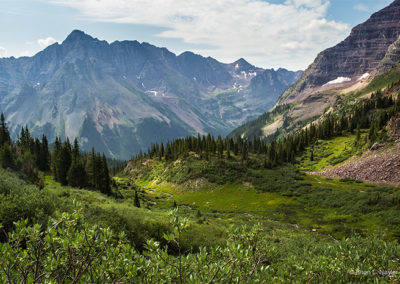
(205, 209)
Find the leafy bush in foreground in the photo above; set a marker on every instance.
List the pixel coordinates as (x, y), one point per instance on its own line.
(70, 250)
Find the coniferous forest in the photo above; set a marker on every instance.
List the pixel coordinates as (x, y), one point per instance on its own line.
(66, 162)
(372, 114)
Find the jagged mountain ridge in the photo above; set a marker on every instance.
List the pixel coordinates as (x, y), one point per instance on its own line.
(123, 96)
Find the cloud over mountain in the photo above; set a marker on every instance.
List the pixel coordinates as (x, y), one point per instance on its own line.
(45, 42)
(259, 29)
(3, 52)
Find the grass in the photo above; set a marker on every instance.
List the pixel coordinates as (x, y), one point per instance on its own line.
(329, 153)
(229, 193)
(315, 180)
(227, 198)
(383, 81)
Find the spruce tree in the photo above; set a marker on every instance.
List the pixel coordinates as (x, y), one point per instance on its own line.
(4, 134)
(77, 174)
(55, 159)
(245, 153)
(7, 157)
(91, 168)
(136, 201)
(104, 177)
(45, 166)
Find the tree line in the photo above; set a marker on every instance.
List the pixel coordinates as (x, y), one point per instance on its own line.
(67, 163)
(372, 114)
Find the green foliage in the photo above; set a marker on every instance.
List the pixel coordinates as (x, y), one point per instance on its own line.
(383, 81)
(19, 200)
(71, 249)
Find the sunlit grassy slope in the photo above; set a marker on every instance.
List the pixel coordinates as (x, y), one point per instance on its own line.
(284, 194)
(328, 153)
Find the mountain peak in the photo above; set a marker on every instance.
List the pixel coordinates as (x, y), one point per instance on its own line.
(241, 62)
(242, 65)
(77, 35)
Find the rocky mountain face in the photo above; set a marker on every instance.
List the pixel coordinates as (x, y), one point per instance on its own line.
(391, 59)
(123, 96)
(359, 54)
(371, 49)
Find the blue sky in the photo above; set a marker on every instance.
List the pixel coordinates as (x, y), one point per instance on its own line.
(268, 33)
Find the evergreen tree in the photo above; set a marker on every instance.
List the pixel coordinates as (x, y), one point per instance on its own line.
(55, 159)
(77, 174)
(4, 134)
(7, 157)
(136, 201)
(91, 168)
(244, 151)
(104, 178)
(220, 147)
(45, 166)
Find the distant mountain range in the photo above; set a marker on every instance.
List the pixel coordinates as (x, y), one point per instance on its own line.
(372, 49)
(123, 96)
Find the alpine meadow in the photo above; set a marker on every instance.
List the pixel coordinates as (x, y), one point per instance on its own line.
(124, 162)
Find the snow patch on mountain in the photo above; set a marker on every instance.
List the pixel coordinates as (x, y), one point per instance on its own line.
(364, 76)
(338, 80)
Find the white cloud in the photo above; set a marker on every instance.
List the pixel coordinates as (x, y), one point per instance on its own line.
(45, 42)
(3, 52)
(362, 8)
(26, 53)
(288, 34)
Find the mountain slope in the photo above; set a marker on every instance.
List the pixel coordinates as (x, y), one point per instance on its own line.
(359, 54)
(368, 57)
(123, 96)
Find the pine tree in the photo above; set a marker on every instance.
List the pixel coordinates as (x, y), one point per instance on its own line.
(228, 151)
(45, 166)
(55, 159)
(7, 157)
(4, 134)
(136, 201)
(220, 147)
(104, 178)
(64, 163)
(245, 153)
(75, 150)
(90, 168)
(77, 174)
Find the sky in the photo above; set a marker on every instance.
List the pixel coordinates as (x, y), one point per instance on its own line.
(267, 33)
